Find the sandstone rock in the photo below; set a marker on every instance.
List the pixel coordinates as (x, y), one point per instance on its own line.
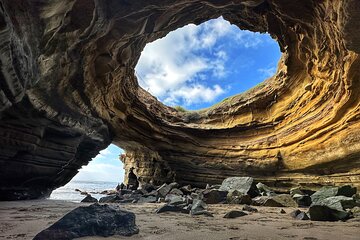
(214, 196)
(89, 199)
(93, 220)
(236, 197)
(245, 185)
(235, 214)
(68, 89)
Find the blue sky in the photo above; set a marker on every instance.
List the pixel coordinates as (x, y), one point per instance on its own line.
(194, 67)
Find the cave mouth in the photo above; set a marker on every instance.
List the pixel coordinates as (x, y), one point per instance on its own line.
(195, 66)
(104, 172)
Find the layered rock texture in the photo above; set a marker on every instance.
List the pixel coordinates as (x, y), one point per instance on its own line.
(68, 89)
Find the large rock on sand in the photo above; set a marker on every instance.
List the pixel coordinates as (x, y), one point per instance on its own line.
(245, 185)
(93, 220)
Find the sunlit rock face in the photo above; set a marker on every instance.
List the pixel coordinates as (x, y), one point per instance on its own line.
(68, 89)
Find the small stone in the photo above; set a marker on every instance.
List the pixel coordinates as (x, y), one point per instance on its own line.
(235, 214)
(89, 199)
(249, 208)
(282, 211)
(302, 216)
(294, 213)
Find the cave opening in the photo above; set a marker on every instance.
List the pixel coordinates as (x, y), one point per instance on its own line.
(196, 66)
(104, 172)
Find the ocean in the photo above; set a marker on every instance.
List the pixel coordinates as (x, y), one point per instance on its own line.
(68, 193)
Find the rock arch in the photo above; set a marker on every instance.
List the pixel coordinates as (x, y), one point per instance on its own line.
(68, 89)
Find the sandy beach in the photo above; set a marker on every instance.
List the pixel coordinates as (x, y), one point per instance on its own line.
(24, 219)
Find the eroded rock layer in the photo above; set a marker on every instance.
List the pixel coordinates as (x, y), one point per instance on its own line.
(68, 89)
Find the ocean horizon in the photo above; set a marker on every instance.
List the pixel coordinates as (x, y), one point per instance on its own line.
(68, 193)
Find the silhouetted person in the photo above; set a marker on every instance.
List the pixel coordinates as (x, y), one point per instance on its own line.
(133, 183)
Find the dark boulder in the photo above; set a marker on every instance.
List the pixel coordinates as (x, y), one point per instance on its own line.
(235, 214)
(326, 192)
(93, 220)
(237, 197)
(171, 208)
(214, 196)
(110, 199)
(302, 200)
(148, 199)
(245, 185)
(89, 199)
(325, 213)
(331, 209)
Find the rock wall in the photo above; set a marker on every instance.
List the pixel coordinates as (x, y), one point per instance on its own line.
(68, 89)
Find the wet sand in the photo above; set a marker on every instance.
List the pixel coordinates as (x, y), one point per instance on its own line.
(24, 219)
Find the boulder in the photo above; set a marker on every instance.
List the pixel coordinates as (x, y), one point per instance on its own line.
(110, 199)
(296, 190)
(265, 190)
(237, 197)
(235, 214)
(148, 199)
(148, 187)
(282, 200)
(326, 192)
(249, 208)
(199, 208)
(174, 199)
(214, 196)
(93, 220)
(245, 185)
(355, 212)
(186, 189)
(89, 199)
(325, 213)
(331, 208)
(302, 200)
(163, 190)
(176, 191)
(171, 208)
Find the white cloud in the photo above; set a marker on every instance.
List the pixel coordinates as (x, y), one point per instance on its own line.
(96, 171)
(267, 72)
(176, 68)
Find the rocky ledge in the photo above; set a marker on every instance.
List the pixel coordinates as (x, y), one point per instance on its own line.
(68, 89)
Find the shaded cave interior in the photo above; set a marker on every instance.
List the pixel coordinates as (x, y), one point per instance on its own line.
(76, 92)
